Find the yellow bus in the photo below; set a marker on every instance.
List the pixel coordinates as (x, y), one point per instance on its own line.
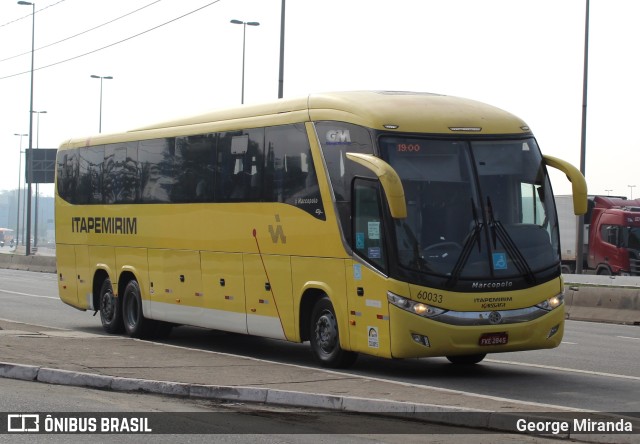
(394, 224)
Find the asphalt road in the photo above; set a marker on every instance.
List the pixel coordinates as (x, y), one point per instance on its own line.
(595, 368)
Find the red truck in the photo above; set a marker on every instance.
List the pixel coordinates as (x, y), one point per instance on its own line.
(612, 236)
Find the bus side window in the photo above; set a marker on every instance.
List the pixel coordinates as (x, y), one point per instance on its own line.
(368, 239)
(195, 168)
(95, 157)
(156, 166)
(290, 175)
(121, 180)
(228, 166)
(68, 175)
(240, 166)
(282, 164)
(336, 140)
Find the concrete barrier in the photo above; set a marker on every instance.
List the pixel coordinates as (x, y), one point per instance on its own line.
(603, 298)
(44, 264)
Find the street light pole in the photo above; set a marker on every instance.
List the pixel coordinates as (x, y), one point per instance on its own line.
(583, 142)
(35, 229)
(93, 76)
(631, 187)
(281, 69)
(30, 151)
(38, 126)
(244, 35)
(16, 237)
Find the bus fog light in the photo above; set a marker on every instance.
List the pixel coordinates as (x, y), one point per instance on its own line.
(553, 330)
(422, 340)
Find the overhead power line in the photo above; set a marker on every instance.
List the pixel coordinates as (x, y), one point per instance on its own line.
(29, 15)
(112, 44)
(80, 33)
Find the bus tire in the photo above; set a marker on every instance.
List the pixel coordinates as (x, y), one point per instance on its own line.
(466, 359)
(110, 309)
(325, 339)
(135, 324)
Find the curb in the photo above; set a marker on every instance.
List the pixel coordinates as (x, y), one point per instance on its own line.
(226, 393)
(501, 422)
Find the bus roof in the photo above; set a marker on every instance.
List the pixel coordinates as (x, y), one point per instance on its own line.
(385, 110)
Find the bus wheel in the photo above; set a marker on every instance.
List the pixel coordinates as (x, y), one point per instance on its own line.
(136, 325)
(325, 339)
(466, 359)
(110, 309)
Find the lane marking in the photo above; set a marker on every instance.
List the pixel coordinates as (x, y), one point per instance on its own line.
(628, 337)
(565, 369)
(569, 343)
(28, 294)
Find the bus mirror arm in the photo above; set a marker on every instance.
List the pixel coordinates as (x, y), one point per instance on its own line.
(578, 183)
(389, 179)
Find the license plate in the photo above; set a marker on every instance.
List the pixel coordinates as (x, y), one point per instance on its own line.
(494, 339)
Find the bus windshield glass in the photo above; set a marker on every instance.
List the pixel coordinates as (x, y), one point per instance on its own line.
(476, 209)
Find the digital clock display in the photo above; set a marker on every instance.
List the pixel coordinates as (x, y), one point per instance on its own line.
(407, 148)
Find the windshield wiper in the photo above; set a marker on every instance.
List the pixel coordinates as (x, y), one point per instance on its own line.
(472, 238)
(418, 261)
(498, 232)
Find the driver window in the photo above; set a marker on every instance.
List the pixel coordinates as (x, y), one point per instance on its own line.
(610, 234)
(368, 239)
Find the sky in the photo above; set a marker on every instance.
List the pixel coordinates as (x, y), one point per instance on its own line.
(171, 58)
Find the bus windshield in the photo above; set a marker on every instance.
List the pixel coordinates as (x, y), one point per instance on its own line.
(475, 209)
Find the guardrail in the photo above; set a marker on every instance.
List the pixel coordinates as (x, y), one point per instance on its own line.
(614, 299)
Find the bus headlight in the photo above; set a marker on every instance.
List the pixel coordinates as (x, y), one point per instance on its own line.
(426, 311)
(551, 303)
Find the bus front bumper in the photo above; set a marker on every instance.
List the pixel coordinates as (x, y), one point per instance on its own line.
(413, 336)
